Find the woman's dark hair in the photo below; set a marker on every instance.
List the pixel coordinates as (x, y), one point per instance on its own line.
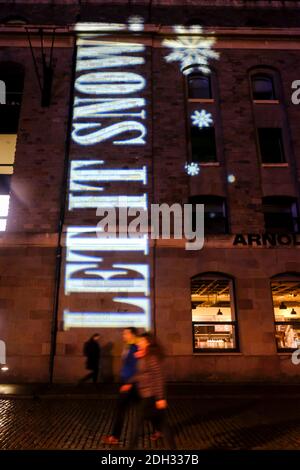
(132, 330)
(154, 347)
(95, 335)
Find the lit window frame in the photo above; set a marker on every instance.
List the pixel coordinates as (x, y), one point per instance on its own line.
(285, 277)
(233, 322)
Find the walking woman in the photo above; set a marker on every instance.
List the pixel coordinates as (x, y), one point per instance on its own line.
(92, 352)
(151, 389)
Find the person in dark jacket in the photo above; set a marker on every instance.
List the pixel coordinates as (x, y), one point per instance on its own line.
(92, 352)
(128, 370)
(150, 384)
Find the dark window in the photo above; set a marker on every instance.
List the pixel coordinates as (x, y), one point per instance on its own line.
(4, 183)
(199, 86)
(263, 88)
(15, 20)
(196, 21)
(9, 119)
(281, 215)
(271, 145)
(213, 314)
(203, 144)
(13, 78)
(215, 214)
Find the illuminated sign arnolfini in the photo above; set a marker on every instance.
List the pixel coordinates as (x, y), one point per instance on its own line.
(109, 113)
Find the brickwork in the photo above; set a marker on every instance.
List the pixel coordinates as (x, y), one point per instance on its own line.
(28, 250)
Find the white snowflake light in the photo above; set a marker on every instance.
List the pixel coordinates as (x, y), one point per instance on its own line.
(201, 119)
(231, 178)
(192, 168)
(191, 48)
(135, 23)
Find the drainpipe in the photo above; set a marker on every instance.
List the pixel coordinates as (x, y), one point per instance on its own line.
(63, 197)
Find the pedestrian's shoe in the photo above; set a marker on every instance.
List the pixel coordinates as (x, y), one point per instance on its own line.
(111, 440)
(155, 436)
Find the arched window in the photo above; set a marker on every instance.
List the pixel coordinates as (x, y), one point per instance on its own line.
(15, 20)
(286, 304)
(215, 213)
(281, 214)
(199, 86)
(204, 134)
(11, 79)
(263, 88)
(213, 313)
(273, 140)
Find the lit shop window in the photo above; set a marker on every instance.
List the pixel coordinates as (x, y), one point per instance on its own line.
(286, 303)
(7, 155)
(271, 145)
(281, 214)
(263, 87)
(11, 78)
(213, 315)
(215, 214)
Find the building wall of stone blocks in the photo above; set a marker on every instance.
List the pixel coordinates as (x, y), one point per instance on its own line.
(28, 250)
(26, 299)
(37, 183)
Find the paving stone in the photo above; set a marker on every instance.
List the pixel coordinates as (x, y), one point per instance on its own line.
(198, 423)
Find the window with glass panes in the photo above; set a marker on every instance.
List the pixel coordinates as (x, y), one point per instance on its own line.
(286, 305)
(213, 314)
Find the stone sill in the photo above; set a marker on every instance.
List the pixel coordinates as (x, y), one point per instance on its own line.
(210, 164)
(274, 165)
(218, 354)
(266, 101)
(201, 100)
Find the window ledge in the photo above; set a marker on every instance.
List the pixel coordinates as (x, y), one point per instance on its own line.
(201, 100)
(209, 164)
(266, 101)
(274, 165)
(218, 354)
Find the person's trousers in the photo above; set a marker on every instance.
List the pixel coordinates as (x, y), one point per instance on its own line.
(146, 410)
(125, 400)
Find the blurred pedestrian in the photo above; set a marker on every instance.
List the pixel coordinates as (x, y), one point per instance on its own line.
(128, 370)
(92, 352)
(150, 384)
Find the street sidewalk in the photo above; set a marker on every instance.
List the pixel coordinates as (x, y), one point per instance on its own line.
(175, 390)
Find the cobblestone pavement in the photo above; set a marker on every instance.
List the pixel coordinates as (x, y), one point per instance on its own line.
(198, 423)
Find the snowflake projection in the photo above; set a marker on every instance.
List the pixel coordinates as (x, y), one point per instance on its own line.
(136, 23)
(192, 168)
(191, 48)
(201, 119)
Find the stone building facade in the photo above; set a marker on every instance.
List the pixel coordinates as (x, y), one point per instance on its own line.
(227, 312)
